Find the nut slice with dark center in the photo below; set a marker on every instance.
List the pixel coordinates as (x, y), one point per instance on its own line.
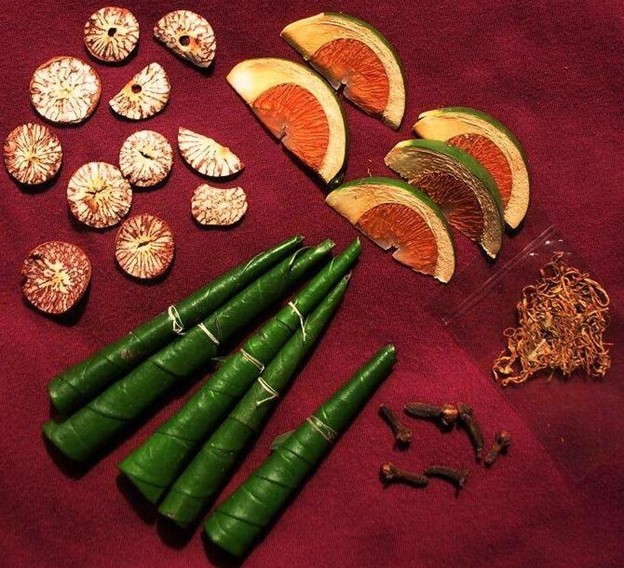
(145, 158)
(145, 95)
(65, 90)
(144, 246)
(32, 154)
(188, 35)
(216, 206)
(98, 195)
(111, 34)
(55, 275)
(207, 156)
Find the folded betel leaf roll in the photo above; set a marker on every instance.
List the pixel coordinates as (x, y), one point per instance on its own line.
(127, 400)
(79, 384)
(155, 464)
(200, 482)
(243, 516)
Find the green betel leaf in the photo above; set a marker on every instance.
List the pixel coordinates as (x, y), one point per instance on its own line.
(154, 466)
(127, 400)
(241, 518)
(200, 482)
(81, 383)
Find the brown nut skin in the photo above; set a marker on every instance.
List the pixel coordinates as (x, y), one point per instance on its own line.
(111, 34)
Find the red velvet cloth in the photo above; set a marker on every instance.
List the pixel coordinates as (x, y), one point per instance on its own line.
(550, 70)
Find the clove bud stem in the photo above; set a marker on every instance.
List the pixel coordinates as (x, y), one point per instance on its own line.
(456, 476)
(446, 414)
(402, 433)
(390, 473)
(502, 441)
(467, 419)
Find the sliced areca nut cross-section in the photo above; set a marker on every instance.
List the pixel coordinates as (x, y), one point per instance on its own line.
(111, 34)
(299, 109)
(206, 155)
(397, 215)
(462, 188)
(145, 95)
(214, 206)
(145, 158)
(349, 51)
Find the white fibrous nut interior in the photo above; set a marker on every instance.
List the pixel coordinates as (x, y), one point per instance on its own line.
(216, 206)
(145, 95)
(111, 34)
(65, 90)
(98, 195)
(55, 275)
(32, 154)
(145, 158)
(188, 35)
(144, 246)
(207, 156)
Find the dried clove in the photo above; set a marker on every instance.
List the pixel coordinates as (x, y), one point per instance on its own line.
(402, 433)
(467, 419)
(391, 473)
(456, 476)
(502, 441)
(446, 414)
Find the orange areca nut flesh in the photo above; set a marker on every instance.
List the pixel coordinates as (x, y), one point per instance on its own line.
(492, 144)
(396, 215)
(462, 188)
(213, 206)
(55, 275)
(32, 154)
(348, 51)
(111, 34)
(207, 156)
(188, 35)
(145, 95)
(562, 320)
(65, 90)
(299, 109)
(144, 246)
(98, 195)
(145, 158)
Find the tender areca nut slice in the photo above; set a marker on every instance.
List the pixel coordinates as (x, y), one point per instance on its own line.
(207, 156)
(65, 90)
(145, 158)
(299, 109)
(349, 51)
(111, 34)
(55, 275)
(144, 246)
(188, 35)
(32, 154)
(213, 206)
(145, 95)
(98, 195)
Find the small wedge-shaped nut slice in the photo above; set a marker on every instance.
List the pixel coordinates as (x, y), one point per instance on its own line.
(65, 90)
(144, 246)
(216, 206)
(145, 158)
(111, 34)
(207, 156)
(98, 195)
(143, 96)
(32, 154)
(188, 35)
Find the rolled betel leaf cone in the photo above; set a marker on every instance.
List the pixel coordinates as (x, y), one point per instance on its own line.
(242, 518)
(155, 465)
(200, 482)
(126, 401)
(79, 384)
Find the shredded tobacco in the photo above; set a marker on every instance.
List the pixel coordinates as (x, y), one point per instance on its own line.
(562, 320)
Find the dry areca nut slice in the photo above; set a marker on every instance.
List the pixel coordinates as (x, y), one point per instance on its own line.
(145, 158)
(32, 154)
(216, 206)
(207, 156)
(143, 96)
(111, 34)
(188, 35)
(144, 246)
(55, 275)
(98, 195)
(65, 90)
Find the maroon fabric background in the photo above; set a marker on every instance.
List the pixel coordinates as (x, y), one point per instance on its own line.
(550, 70)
